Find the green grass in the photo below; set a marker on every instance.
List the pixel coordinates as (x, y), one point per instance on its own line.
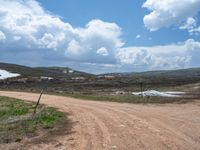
(124, 98)
(17, 120)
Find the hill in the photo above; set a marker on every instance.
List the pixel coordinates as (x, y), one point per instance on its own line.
(190, 72)
(67, 80)
(54, 72)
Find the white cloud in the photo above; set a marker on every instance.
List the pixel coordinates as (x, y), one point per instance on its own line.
(74, 48)
(172, 56)
(2, 36)
(17, 38)
(191, 26)
(90, 40)
(33, 36)
(193, 50)
(165, 13)
(103, 51)
(138, 36)
(40, 31)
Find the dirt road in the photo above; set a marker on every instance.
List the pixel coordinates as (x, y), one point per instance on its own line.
(110, 126)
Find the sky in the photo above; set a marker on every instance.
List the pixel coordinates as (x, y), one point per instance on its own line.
(101, 36)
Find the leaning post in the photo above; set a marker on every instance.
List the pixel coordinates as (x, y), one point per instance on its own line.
(38, 102)
(41, 93)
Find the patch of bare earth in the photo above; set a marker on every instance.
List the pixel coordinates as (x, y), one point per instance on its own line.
(107, 126)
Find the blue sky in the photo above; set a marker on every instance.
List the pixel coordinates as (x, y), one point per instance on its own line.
(101, 36)
(128, 14)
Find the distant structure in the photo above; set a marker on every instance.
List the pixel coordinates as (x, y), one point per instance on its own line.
(71, 71)
(68, 71)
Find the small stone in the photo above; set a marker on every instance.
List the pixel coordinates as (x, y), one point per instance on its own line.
(122, 126)
(114, 147)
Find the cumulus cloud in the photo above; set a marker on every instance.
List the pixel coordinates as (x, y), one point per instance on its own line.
(165, 13)
(2, 36)
(31, 35)
(174, 56)
(191, 26)
(96, 40)
(28, 26)
(102, 51)
(193, 50)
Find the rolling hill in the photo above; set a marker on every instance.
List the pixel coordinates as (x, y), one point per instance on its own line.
(68, 80)
(54, 72)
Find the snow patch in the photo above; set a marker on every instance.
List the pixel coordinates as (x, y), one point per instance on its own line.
(157, 93)
(196, 87)
(5, 74)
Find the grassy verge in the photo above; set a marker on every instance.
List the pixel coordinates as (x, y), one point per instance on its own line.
(126, 98)
(17, 121)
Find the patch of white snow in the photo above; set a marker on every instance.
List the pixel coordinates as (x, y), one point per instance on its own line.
(157, 93)
(5, 74)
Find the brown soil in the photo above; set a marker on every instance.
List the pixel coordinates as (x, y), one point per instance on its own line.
(107, 125)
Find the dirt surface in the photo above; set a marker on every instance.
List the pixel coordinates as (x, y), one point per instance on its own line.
(110, 126)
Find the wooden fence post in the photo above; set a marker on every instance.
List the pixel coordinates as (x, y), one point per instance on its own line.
(38, 102)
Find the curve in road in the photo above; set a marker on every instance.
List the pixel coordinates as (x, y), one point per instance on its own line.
(108, 125)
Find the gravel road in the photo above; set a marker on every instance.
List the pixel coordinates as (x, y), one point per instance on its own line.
(117, 126)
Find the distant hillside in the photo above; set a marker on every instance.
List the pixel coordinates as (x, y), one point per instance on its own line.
(56, 72)
(152, 77)
(68, 80)
(191, 72)
(163, 78)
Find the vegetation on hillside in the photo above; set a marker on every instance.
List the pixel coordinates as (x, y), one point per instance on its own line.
(102, 87)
